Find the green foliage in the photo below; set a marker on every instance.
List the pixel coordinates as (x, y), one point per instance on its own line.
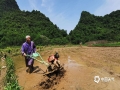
(16, 24)
(8, 5)
(91, 27)
(42, 40)
(115, 44)
(59, 41)
(10, 81)
(8, 50)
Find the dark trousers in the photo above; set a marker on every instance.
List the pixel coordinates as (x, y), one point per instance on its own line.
(26, 62)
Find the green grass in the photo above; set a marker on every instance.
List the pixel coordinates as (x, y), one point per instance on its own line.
(10, 80)
(113, 44)
(16, 50)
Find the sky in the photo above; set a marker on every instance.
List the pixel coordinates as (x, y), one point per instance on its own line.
(66, 13)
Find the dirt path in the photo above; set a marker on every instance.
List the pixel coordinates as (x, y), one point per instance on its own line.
(81, 65)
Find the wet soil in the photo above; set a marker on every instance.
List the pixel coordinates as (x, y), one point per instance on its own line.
(81, 64)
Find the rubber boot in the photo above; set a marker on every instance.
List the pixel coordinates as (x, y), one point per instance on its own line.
(30, 69)
(27, 70)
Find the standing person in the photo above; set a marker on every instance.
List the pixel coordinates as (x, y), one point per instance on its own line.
(28, 48)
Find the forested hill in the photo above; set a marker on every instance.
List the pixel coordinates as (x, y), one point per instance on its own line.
(16, 24)
(91, 27)
(8, 5)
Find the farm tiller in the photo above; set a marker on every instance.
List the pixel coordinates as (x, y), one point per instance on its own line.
(50, 67)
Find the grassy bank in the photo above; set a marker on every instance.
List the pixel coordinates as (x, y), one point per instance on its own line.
(10, 79)
(111, 44)
(16, 50)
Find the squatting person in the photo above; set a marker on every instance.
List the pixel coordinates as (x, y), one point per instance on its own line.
(28, 48)
(53, 59)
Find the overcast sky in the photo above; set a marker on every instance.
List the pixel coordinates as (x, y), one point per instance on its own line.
(66, 13)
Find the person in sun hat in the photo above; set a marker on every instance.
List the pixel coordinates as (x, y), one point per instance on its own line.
(28, 48)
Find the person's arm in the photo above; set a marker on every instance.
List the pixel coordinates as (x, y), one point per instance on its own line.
(34, 47)
(23, 50)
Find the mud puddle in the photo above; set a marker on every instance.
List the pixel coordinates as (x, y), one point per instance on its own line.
(72, 64)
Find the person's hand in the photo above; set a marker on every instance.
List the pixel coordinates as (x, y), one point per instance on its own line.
(36, 51)
(24, 54)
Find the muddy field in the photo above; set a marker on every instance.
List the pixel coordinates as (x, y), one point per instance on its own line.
(81, 65)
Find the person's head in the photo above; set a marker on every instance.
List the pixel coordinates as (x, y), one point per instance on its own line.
(28, 38)
(56, 55)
